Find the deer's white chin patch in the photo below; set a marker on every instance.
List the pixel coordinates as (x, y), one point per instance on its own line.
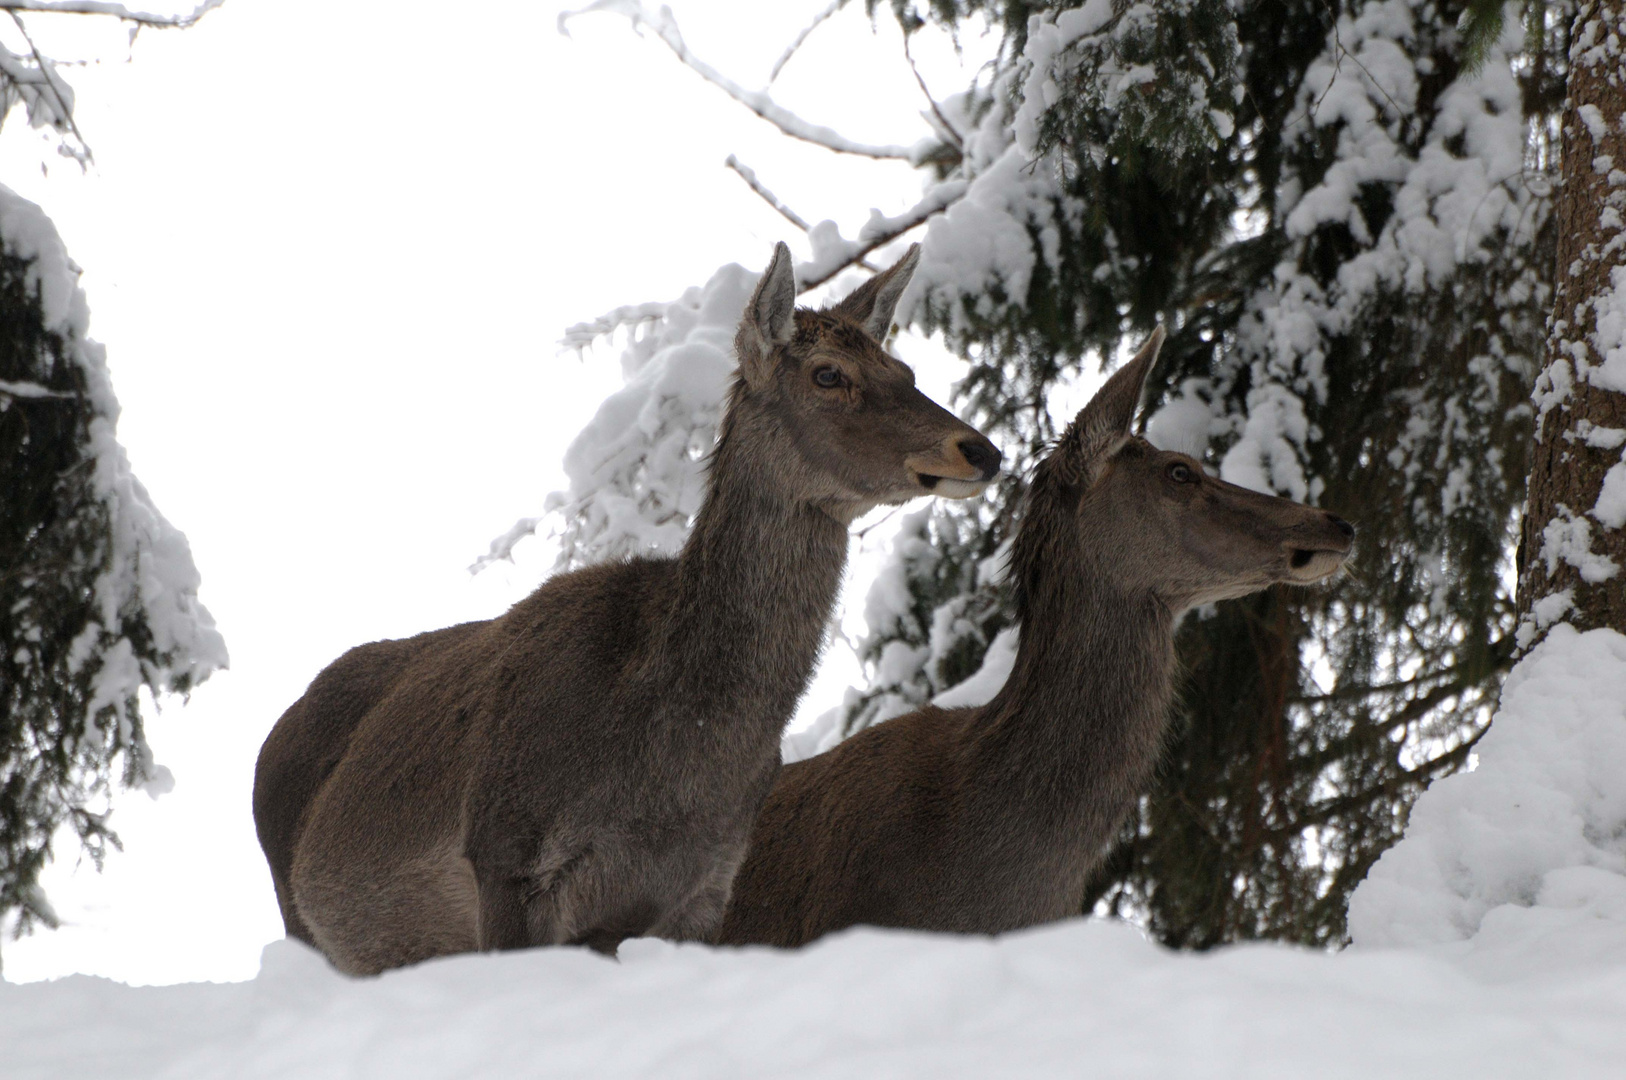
(958, 489)
(1318, 566)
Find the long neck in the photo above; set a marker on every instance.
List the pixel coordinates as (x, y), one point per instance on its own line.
(1058, 759)
(756, 582)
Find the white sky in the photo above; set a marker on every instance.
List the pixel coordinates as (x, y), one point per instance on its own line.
(330, 248)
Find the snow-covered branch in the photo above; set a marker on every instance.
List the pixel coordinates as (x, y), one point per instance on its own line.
(832, 253)
(665, 27)
(749, 175)
(116, 11)
(30, 77)
(29, 390)
(807, 31)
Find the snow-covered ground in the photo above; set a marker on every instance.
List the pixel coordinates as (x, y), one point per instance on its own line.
(1490, 942)
(1075, 999)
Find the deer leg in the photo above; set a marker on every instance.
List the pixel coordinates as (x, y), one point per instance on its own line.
(503, 919)
(700, 916)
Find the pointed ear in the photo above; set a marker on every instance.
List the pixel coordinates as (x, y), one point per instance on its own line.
(871, 304)
(769, 319)
(1103, 425)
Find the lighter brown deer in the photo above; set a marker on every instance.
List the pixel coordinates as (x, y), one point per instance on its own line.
(989, 819)
(587, 767)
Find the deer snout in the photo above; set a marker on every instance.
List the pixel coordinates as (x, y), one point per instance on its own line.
(982, 454)
(1319, 554)
(958, 467)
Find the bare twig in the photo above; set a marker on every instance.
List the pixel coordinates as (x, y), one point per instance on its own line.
(790, 51)
(116, 11)
(948, 128)
(665, 27)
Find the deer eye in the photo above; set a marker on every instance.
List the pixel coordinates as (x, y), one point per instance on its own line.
(828, 377)
(1181, 473)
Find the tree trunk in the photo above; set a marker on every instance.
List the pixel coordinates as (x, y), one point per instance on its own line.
(1572, 551)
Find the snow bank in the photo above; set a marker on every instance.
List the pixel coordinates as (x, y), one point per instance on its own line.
(1071, 999)
(1524, 858)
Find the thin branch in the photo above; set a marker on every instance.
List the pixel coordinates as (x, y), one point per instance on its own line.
(116, 11)
(64, 110)
(948, 128)
(665, 28)
(748, 174)
(881, 231)
(31, 390)
(807, 31)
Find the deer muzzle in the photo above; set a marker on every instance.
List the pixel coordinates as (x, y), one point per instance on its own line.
(957, 468)
(1316, 559)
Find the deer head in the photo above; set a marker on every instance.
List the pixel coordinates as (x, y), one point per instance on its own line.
(1154, 521)
(838, 420)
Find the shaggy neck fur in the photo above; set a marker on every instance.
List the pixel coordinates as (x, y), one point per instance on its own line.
(1059, 756)
(756, 582)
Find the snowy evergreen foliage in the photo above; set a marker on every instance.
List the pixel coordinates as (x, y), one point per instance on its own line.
(1348, 233)
(637, 470)
(98, 593)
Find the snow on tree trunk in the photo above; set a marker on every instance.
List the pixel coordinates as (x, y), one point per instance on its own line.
(98, 593)
(1573, 548)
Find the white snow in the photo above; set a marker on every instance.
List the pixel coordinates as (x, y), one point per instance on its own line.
(1609, 335)
(1568, 538)
(1519, 866)
(1610, 509)
(1073, 999)
(980, 688)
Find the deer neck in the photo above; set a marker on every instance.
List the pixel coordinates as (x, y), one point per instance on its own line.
(756, 583)
(1061, 754)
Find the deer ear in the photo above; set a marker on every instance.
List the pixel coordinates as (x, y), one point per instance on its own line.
(872, 304)
(1104, 425)
(769, 319)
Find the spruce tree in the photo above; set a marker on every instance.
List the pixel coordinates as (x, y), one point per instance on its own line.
(98, 593)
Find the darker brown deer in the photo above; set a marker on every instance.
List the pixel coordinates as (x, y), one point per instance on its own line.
(989, 819)
(587, 767)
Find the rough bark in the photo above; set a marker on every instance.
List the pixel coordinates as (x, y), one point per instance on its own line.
(1572, 551)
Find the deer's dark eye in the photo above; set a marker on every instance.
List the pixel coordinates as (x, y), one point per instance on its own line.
(828, 377)
(1182, 474)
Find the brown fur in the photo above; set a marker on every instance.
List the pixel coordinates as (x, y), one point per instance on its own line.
(586, 767)
(989, 819)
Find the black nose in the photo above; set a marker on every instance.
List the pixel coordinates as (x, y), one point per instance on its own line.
(1342, 526)
(982, 454)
